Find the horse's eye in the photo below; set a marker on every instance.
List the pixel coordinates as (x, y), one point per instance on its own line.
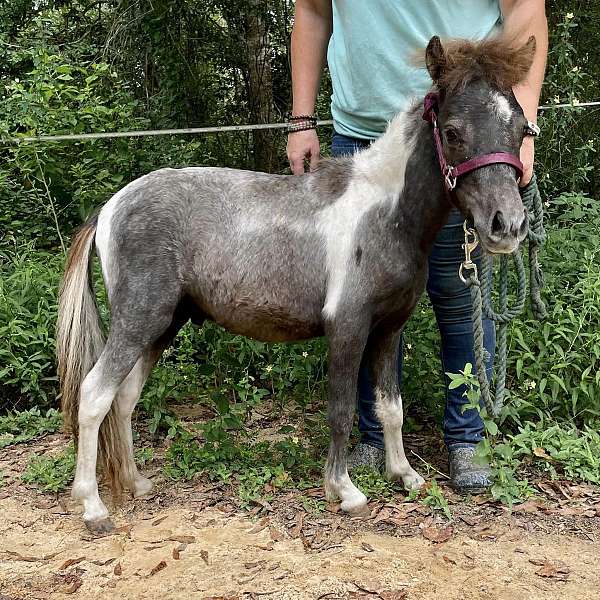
(452, 135)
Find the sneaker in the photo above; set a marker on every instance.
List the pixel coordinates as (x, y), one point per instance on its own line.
(466, 476)
(365, 455)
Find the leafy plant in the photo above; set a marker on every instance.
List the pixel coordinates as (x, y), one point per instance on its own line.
(51, 473)
(19, 427)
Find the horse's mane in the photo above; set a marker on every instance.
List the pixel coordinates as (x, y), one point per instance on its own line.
(497, 60)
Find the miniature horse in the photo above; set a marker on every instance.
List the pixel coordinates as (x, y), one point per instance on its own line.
(340, 252)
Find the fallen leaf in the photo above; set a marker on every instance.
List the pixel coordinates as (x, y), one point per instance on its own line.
(276, 536)
(69, 562)
(268, 546)
(118, 570)
(437, 534)
(159, 520)
(471, 521)
(367, 547)
(262, 524)
(183, 539)
(103, 563)
(529, 507)
(159, 567)
(204, 556)
(297, 528)
(179, 549)
(541, 453)
(448, 559)
(73, 586)
(393, 594)
(554, 569)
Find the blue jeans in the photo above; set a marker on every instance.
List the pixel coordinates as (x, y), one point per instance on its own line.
(451, 302)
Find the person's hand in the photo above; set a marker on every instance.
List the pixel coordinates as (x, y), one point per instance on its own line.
(527, 156)
(303, 145)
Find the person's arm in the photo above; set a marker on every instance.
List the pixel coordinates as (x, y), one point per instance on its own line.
(310, 37)
(522, 19)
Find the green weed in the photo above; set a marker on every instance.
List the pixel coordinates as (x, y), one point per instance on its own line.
(51, 473)
(19, 427)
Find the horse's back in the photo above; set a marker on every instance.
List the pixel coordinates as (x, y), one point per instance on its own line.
(243, 245)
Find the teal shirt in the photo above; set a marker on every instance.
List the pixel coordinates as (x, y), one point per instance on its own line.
(371, 48)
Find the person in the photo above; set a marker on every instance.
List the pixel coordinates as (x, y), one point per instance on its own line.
(369, 47)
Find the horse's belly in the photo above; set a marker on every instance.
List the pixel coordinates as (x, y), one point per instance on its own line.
(267, 323)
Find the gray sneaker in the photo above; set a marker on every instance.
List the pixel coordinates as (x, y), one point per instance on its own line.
(466, 476)
(364, 455)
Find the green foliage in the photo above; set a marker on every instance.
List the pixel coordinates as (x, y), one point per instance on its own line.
(28, 289)
(435, 499)
(51, 473)
(19, 427)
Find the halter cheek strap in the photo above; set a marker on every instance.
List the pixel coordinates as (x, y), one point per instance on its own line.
(451, 173)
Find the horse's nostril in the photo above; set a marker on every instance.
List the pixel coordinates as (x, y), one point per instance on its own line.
(498, 224)
(524, 225)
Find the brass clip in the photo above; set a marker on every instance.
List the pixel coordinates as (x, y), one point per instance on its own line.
(471, 243)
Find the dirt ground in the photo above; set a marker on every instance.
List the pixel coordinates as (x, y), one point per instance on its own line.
(191, 541)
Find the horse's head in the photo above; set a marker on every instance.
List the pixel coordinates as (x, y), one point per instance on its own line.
(478, 115)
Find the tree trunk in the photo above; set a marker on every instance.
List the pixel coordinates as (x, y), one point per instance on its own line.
(260, 89)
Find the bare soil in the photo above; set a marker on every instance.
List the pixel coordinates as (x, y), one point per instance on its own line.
(193, 541)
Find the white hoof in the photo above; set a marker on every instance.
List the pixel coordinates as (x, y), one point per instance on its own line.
(142, 487)
(412, 480)
(354, 503)
(352, 498)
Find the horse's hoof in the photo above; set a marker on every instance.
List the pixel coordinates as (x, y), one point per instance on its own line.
(354, 504)
(142, 487)
(412, 481)
(100, 526)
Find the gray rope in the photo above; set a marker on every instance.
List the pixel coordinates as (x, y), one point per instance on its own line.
(481, 300)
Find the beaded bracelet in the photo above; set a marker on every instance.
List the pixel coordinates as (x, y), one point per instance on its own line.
(311, 118)
(301, 126)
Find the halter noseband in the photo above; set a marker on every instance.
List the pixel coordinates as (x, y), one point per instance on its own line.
(450, 173)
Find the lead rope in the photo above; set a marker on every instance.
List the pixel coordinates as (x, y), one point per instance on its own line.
(481, 295)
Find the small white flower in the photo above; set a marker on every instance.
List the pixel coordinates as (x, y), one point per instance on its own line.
(547, 204)
(569, 16)
(576, 69)
(530, 385)
(556, 99)
(295, 439)
(269, 368)
(409, 346)
(305, 354)
(575, 102)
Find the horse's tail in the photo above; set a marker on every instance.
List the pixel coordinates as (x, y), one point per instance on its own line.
(79, 337)
(79, 342)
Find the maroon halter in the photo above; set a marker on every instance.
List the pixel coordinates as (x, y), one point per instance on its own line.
(450, 173)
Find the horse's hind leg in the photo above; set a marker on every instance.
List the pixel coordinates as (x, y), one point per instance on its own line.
(129, 395)
(345, 352)
(98, 391)
(382, 357)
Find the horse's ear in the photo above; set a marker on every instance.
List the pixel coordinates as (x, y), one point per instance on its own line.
(435, 58)
(528, 50)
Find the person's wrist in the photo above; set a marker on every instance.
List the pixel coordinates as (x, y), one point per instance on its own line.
(301, 122)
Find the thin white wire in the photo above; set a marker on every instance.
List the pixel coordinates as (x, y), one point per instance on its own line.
(198, 130)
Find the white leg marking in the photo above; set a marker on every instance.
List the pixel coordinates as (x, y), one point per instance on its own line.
(343, 488)
(95, 402)
(127, 398)
(389, 412)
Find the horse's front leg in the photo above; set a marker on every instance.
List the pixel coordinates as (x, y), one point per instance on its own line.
(382, 357)
(345, 353)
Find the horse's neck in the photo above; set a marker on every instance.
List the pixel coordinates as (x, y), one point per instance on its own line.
(402, 164)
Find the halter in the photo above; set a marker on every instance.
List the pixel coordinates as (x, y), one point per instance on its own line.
(450, 173)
